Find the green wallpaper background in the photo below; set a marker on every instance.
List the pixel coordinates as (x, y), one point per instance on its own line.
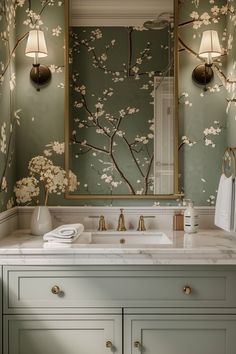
(8, 116)
(207, 120)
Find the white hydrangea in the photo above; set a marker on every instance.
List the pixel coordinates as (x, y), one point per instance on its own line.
(38, 164)
(73, 183)
(44, 173)
(26, 189)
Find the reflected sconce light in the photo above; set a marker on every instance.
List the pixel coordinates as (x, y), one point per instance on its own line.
(209, 49)
(36, 48)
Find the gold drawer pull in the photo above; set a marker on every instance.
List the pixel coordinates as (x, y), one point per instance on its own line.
(109, 344)
(137, 344)
(55, 290)
(187, 290)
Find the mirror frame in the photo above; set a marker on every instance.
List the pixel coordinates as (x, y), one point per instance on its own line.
(176, 194)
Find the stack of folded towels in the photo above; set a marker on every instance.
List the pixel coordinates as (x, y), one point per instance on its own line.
(225, 213)
(64, 234)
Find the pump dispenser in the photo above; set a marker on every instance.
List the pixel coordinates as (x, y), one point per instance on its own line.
(191, 218)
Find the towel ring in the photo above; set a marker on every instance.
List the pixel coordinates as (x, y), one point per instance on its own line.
(232, 156)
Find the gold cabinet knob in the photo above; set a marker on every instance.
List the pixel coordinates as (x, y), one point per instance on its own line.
(187, 290)
(137, 344)
(55, 290)
(109, 344)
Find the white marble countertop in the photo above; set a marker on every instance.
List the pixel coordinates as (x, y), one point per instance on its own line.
(207, 247)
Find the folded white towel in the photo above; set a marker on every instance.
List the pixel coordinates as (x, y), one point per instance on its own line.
(68, 232)
(65, 233)
(57, 245)
(224, 211)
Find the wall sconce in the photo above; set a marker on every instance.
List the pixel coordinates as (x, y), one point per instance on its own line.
(209, 49)
(36, 48)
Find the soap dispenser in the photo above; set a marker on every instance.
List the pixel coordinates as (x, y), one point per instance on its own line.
(191, 218)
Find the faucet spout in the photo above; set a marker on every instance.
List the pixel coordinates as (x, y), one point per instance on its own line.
(121, 222)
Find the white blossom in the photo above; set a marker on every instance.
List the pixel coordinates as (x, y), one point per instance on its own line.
(4, 184)
(3, 139)
(10, 203)
(56, 31)
(12, 82)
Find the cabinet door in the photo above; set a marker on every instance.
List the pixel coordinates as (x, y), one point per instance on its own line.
(0, 310)
(167, 334)
(100, 334)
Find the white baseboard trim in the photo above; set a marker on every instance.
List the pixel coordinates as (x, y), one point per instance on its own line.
(8, 221)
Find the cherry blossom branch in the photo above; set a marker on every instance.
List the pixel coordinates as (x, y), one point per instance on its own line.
(82, 143)
(133, 156)
(147, 175)
(95, 119)
(129, 72)
(130, 31)
(12, 54)
(186, 47)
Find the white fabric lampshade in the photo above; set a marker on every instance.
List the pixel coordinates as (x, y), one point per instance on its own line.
(36, 44)
(210, 45)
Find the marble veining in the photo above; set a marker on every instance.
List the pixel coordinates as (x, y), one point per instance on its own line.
(206, 247)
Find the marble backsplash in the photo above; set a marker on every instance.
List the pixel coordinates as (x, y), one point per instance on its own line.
(19, 217)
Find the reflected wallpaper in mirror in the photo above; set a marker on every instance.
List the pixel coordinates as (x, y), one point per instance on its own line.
(121, 109)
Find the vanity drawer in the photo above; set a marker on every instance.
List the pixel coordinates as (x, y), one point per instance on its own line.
(49, 289)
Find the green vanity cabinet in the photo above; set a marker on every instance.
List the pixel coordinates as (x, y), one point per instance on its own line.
(1, 344)
(74, 334)
(180, 334)
(119, 309)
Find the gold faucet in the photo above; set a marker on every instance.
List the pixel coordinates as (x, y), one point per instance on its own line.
(141, 225)
(121, 222)
(102, 224)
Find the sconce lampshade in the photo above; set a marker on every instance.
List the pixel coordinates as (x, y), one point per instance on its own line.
(36, 48)
(210, 45)
(36, 44)
(209, 48)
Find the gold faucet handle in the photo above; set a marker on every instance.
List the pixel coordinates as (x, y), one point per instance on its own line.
(141, 223)
(101, 223)
(121, 221)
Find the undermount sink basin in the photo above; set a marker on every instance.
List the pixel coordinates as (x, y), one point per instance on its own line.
(130, 238)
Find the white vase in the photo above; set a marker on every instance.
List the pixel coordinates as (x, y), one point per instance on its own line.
(41, 221)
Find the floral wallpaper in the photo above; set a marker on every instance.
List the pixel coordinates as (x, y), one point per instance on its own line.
(8, 114)
(112, 107)
(32, 122)
(231, 80)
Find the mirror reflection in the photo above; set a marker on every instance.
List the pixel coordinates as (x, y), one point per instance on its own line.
(121, 126)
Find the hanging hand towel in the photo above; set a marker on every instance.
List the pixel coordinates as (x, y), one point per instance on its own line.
(223, 211)
(233, 219)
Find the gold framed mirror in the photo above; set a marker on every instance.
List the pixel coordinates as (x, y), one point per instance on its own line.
(121, 111)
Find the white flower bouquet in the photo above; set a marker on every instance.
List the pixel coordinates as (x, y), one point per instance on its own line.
(43, 173)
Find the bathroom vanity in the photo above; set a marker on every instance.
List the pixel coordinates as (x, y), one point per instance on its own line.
(175, 299)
